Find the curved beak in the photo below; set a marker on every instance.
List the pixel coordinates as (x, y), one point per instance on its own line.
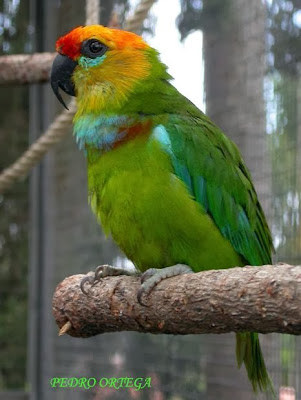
(60, 77)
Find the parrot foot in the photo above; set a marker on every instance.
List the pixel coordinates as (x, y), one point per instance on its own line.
(103, 271)
(151, 277)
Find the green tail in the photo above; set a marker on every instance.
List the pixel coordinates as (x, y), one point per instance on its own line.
(248, 351)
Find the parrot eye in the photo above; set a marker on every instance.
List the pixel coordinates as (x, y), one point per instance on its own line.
(93, 48)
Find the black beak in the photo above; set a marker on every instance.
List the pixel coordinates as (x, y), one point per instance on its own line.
(61, 73)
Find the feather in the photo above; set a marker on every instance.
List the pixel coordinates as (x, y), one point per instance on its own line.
(163, 179)
(213, 171)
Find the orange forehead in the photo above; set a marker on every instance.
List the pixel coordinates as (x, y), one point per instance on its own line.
(113, 38)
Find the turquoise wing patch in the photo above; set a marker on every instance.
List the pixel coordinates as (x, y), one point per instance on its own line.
(211, 167)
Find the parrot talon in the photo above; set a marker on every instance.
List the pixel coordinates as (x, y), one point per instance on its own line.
(140, 294)
(148, 274)
(151, 277)
(106, 270)
(102, 271)
(88, 278)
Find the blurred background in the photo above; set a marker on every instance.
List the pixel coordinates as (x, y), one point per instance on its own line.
(238, 60)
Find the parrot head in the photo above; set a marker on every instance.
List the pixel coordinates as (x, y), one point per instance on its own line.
(102, 67)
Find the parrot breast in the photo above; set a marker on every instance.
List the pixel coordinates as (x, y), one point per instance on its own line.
(149, 211)
(107, 132)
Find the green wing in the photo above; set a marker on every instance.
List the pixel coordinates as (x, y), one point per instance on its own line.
(212, 168)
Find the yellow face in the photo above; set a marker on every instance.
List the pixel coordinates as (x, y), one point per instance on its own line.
(109, 64)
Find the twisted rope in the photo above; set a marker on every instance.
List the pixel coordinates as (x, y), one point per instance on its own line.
(60, 126)
(134, 23)
(55, 133)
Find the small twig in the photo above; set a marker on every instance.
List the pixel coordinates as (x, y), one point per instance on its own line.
(65, 328)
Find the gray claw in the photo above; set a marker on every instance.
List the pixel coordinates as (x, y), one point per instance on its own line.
(101, 272)
(88, 278)
(148, 274)
(151, 277)
(105, 270)
(140, 293)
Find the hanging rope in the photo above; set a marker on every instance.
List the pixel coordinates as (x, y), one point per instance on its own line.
(55, 133)
(134, 23)
(61, 125)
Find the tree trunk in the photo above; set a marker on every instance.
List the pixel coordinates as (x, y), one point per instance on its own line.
(234, 55)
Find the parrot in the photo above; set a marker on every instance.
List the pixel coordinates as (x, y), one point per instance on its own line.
(163, 180)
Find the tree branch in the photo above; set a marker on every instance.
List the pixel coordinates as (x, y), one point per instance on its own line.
(25, 68)
(261, 299)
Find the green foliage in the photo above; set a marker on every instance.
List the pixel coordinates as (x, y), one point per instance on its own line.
(288, 352)
(283, 40)
(13, 244)
(13, 212)
(284, 56)
(284, 35)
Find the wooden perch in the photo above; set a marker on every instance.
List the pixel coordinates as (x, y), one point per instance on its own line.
(261, 299)
(25, 68)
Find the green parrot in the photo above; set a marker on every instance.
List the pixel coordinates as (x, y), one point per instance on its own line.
(163, 180)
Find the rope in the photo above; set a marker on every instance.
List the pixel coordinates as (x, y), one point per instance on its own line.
(134, 23)
(62, 123)
(56, 131)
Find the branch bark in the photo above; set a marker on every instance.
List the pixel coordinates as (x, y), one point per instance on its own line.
(25, 68)
(261, 299)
